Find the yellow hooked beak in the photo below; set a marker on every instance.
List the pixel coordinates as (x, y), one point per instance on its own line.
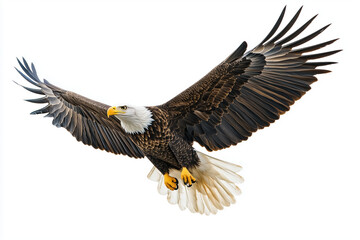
(113, 111)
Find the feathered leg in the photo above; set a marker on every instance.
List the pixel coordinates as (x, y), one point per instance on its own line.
(187, 158)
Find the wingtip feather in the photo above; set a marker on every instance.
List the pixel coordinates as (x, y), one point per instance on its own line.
(275, 27)
(37, 100)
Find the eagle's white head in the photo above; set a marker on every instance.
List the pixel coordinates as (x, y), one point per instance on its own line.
(133, 119)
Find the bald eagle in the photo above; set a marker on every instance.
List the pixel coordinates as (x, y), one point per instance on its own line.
(244, 93)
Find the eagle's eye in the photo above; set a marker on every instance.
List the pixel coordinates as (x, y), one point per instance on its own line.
(123, 107)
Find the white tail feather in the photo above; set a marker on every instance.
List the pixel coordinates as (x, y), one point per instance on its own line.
(215, 186)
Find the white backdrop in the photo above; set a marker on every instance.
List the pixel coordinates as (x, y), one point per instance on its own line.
(301, 174)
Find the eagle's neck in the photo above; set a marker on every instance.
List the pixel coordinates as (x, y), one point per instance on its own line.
(138, 121)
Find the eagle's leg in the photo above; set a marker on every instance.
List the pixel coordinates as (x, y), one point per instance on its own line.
(187, 178)
(187, 158)
(170, 182)
(164, 167)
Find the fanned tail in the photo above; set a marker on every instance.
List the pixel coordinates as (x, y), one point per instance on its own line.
(215, 186)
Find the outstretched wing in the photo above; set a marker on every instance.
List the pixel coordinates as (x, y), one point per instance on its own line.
(248, 91)
(84, 118)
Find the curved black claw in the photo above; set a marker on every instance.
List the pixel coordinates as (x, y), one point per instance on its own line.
(171, 182)
(187, 178)
(177, 184)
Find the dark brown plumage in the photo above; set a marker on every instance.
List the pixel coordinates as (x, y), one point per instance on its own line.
(244, 93)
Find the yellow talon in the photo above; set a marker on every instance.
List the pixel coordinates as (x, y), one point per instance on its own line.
(170, 182)
(187, 177)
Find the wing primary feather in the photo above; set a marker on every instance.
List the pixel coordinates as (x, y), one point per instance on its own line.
(27, 70)
(45, 109)
(276, 26)
(38, 100)
(317, 64)
(297, 32)
(34, 70)
(287, 28)
(307, 38)
(27, 78)
(33, 90)
(319, 55)
(25, 63)
(314, 47)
